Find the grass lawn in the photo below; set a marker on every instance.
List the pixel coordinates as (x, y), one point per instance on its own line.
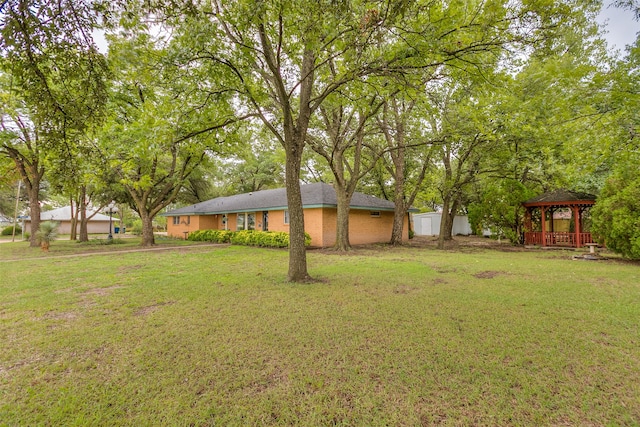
(408, 336)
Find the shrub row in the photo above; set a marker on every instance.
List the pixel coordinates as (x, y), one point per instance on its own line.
(8, 231)
(269, 239)
(215, 236)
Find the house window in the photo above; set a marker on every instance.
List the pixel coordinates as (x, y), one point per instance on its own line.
(176, 220)
(375, 214)
(246, 221)
(286, 217)
(240, 222)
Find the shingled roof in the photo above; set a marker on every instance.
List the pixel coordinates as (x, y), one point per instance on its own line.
(561, 196)
(313, 196)
(64, 214)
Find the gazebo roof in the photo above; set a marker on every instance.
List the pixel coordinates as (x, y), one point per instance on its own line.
(561, 197)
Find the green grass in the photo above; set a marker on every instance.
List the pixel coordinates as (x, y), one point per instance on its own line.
(407, 336)
(62, 246)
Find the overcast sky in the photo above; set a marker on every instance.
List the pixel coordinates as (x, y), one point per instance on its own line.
(621, 27)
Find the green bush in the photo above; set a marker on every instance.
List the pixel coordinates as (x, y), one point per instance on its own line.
(8, 231)
(215, 236)
(137, 227)
(269, 239)
(616, 214)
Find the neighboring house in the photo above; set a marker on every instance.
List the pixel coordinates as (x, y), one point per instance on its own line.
(428, 224)
(98, 224)
(5, 221)
(370, 218)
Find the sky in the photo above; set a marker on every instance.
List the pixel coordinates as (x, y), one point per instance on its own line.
(621, 27)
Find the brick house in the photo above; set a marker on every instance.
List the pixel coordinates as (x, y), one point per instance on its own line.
(370, 218)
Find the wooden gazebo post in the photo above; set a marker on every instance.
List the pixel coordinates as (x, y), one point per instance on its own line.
(543, 218)
(576, 220)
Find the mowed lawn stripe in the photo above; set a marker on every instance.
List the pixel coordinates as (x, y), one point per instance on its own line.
(406, 336)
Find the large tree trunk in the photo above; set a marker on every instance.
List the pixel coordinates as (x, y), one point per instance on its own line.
(399, 212)
(449, 210)
(31, 173)
(148, 239)
(343, 197)
(398, 227)
(34, 212)
(400, 209)
(297, 250)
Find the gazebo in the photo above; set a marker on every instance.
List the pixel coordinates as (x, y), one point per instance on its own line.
(540, 225)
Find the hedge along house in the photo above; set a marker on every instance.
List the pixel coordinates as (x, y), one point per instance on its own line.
(370, 218)
(546, 212)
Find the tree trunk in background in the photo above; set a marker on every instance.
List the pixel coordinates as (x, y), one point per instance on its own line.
(343, 197)
(84, 221)
(73, 217)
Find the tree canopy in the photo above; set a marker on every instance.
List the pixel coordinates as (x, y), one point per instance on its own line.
(469, 106)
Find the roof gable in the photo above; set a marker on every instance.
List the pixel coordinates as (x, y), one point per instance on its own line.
(561, 196)
(313, 195)
(64, 214)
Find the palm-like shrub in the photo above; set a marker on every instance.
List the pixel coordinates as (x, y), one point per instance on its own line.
(47, 233)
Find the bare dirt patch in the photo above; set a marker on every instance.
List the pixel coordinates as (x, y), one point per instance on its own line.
(54, 315)
(128, 268)
(404, 289)
(101, 292)
(464, 243)
(458, 243)
(143, 311)
(487, 274)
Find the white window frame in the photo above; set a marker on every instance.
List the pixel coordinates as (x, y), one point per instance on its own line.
(245, 220)
(286, 217)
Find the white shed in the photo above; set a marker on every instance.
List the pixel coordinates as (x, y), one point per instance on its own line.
(428, 224)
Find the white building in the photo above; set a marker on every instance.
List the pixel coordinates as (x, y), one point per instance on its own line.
(98, 224)
(428, 224)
